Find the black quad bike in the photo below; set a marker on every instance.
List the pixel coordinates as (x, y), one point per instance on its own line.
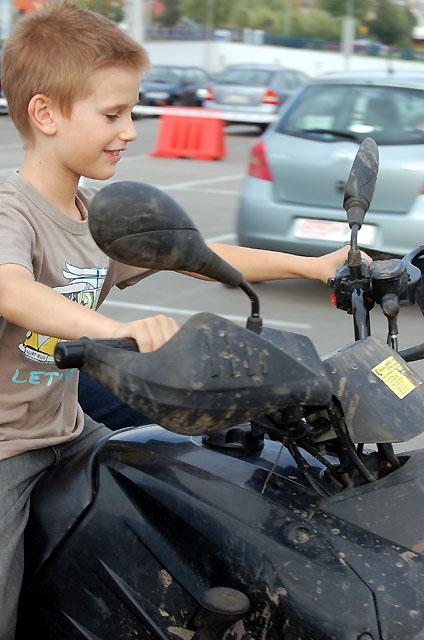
(257, 510)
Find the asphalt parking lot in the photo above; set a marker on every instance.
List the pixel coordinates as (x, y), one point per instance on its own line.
(208, 191)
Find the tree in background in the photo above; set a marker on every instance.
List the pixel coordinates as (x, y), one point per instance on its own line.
(360, 8)
(112, 9)
(270, 15)
(317, 23)
(255, 15)
(392, 24)
(202, 10)
(171, 14)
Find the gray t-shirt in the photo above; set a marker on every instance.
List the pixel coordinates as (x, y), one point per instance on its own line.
(38, 401)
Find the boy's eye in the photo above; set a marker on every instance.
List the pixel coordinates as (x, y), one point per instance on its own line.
(112, 116)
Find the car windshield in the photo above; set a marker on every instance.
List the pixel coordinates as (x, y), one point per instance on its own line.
(329, 112)
(255, 77)
(165, 74)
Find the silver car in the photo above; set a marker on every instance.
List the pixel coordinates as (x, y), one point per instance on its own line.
(254, 92)
(291, 199)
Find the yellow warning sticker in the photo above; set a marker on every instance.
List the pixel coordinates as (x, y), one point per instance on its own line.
(396, 376)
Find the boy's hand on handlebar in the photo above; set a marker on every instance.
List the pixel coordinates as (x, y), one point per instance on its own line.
(327, 264)
(149, 333)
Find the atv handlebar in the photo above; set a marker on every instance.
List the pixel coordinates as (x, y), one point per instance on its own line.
(69, 355)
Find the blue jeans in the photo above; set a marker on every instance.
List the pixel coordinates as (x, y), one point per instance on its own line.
(104, 407)
(18, 477)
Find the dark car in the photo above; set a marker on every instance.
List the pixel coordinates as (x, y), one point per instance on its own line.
(173, 85)
(256, 90)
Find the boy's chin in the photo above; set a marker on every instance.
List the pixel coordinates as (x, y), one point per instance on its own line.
(100, 174)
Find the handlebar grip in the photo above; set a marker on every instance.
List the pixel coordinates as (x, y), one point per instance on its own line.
(71, 354)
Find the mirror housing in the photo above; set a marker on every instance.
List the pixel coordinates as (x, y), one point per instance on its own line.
(360, 186)
(138, 224)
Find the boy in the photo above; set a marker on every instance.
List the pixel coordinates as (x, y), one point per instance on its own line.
(71, 79)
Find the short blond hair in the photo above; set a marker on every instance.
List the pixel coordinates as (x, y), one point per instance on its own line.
(54, 51)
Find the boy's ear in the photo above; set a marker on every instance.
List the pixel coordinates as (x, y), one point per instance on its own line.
(41, 113)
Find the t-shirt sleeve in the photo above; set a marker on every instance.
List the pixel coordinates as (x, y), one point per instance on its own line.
(17, 238)
(126, 276)
(121, 276)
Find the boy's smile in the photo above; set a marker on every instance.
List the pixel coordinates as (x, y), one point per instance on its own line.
(114, 154)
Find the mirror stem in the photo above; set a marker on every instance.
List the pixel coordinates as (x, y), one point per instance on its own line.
(354, 237)
(354, 258)
(254, 321)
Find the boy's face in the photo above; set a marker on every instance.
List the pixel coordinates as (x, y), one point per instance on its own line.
(90, 142)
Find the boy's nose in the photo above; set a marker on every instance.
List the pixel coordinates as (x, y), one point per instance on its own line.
(130, 132)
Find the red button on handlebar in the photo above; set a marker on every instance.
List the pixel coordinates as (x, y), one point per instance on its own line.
(333, 299)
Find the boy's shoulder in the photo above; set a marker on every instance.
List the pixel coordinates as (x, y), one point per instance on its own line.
(10, 187)
(20, 199)
(14, 197)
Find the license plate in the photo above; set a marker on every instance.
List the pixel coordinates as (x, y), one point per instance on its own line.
(237, 99)
(157, 95)
(310, 229)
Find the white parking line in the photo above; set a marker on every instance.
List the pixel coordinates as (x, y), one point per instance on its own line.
(180, 186)
(196, 183)
(165, 187)
(215, 192)
(8, 171)
(135, 306)
(193, 183)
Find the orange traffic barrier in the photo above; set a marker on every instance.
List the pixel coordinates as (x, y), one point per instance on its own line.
(190, 133)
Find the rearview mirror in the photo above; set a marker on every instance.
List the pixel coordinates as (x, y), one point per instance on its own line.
(138, 224)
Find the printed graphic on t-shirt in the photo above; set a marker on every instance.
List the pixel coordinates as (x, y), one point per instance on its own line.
(84, 288)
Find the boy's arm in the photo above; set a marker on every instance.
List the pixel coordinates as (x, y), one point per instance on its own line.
(36, 307)
(258, 265)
